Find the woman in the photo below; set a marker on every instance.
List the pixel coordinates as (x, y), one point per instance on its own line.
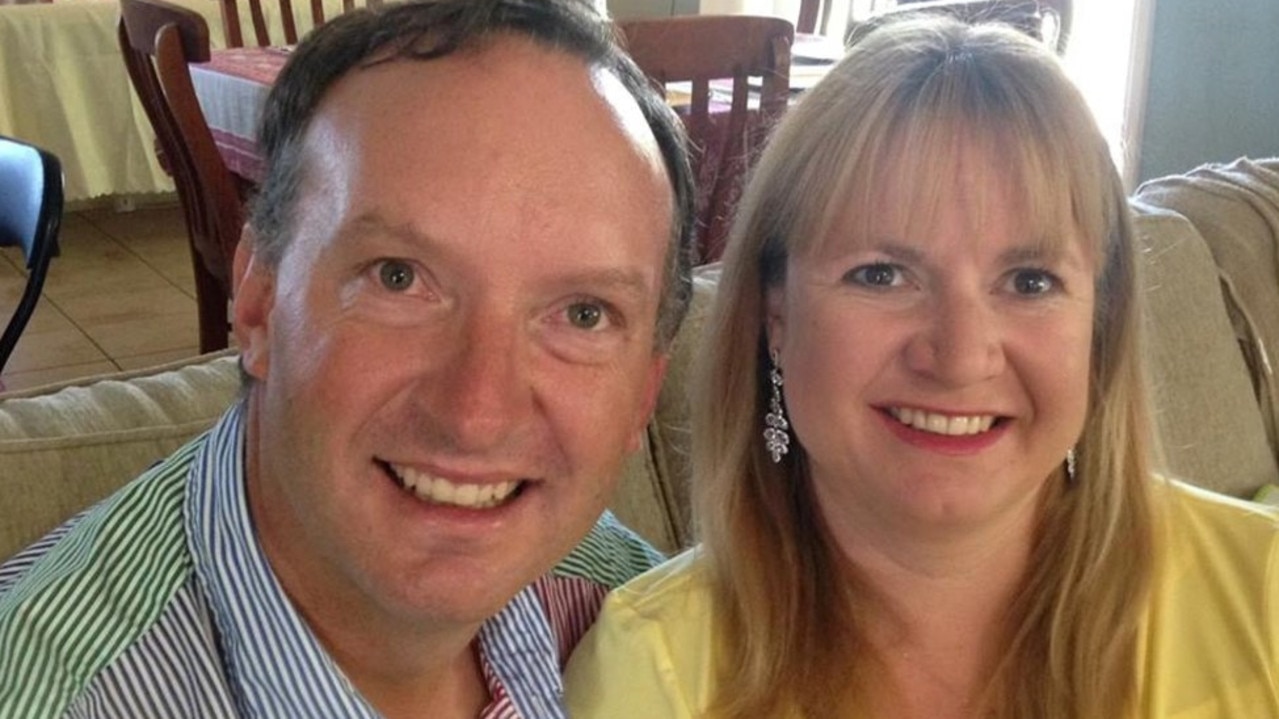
(929, 307)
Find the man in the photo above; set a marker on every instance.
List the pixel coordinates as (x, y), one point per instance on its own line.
(452, 302)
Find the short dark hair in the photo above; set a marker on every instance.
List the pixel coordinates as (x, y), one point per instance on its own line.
(423, 30)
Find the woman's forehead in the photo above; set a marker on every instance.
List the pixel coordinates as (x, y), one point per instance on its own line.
(909, 189)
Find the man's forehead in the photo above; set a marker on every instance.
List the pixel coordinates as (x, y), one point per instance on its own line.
(501, 59)
(508, 91)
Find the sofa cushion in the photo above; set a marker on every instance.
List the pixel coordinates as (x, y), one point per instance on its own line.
(653, 495)
(1207, 416)
(64, 447)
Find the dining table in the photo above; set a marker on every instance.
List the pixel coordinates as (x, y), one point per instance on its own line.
(63, 87)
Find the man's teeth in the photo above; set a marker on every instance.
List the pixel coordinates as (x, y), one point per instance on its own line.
(442, 491)
(940, 423)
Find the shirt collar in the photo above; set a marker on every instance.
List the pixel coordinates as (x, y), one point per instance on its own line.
(272, 658)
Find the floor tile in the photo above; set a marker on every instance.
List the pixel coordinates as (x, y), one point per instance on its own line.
(46, 318)
(170, 258)
(134, 337)
(157, 358)
(39, 377)
(104, 277)
(121, 293)
(150, 222)
(90, 309)
(59, 348)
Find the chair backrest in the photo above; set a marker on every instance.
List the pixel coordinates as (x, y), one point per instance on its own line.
(158, 41)
(814, 17)
(718, 52)
(30, 215)
(1046, 20)
(275, 22)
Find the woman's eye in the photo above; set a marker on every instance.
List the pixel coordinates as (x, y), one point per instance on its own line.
(396, 275)
(1033, 282)
(880, 274)
(585, 315)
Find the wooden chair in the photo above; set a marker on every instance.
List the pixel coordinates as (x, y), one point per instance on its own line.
(814, 17)
(30, 214)
(287, 21)
(718, 51)
(1046, 20)
(158, 40)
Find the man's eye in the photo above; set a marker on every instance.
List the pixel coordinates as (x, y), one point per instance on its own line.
(396, 275)
(1033, 282)
(880, 274)
(585, 315)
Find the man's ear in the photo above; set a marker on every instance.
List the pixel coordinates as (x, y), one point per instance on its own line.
(253, 284)
(652, 388)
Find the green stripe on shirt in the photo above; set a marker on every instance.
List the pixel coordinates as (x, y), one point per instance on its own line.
(610, 554)
(94, 592)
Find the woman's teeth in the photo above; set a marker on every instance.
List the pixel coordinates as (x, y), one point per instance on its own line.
(441, 491)
(941, 423)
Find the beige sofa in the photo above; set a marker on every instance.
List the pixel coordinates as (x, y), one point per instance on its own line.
(1211, 276)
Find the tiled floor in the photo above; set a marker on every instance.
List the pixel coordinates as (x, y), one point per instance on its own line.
(120, 296)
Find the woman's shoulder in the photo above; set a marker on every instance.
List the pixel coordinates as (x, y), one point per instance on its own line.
(651, 652)
(1211, 605)
(1197, 513)
(1214, 542)
(676, 589)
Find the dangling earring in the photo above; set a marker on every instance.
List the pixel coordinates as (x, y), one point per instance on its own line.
(776, 438)
(1071, 468)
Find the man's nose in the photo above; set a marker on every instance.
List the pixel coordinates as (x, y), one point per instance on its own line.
(959, 341)
(484, 389)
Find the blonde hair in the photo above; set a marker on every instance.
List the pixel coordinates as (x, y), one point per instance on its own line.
(907, 100)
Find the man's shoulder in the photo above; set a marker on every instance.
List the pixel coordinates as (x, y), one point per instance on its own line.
(610, 555)
(80, 597)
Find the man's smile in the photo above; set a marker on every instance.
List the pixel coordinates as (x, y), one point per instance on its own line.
(437, 490)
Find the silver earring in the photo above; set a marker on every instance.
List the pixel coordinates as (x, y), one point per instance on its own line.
(1071, 467)
(776, 437)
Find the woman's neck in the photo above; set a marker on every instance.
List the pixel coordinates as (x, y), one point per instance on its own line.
(939, 617)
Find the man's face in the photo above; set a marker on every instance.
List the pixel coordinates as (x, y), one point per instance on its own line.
(457, 348)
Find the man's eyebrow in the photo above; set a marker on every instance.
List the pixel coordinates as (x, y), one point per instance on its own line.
(372, 223)
(628, 281)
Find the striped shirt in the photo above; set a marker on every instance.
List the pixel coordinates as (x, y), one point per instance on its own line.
(158, 602)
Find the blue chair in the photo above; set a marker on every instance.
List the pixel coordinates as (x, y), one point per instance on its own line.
(30, 215)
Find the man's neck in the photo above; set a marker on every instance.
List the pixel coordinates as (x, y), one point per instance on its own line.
(398, 669)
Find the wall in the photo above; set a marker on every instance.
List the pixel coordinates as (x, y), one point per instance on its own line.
(1213, 93)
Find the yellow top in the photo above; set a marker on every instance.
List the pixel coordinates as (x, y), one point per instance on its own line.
(1208, 650)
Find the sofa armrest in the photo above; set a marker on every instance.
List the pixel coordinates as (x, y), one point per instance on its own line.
(1208, 422)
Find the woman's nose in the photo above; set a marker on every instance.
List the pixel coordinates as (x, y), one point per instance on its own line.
(959, 342)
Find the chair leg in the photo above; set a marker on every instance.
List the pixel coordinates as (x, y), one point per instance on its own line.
(211, 303)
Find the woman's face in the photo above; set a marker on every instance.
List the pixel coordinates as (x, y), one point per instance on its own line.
(937, 377)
